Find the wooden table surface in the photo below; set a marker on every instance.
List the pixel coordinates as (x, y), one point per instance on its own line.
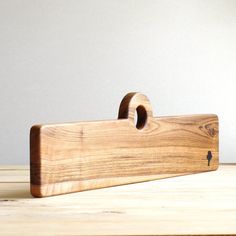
(196, 204)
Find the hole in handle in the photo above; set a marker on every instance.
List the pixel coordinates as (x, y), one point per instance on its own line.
(140, 117)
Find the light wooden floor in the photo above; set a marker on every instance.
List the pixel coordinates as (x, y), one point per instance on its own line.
(196, 204)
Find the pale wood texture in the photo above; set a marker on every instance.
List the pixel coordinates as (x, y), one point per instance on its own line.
(201, 204)
(73, 157)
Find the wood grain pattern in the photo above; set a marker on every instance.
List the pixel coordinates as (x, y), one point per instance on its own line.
(73, 157)
(200, 204)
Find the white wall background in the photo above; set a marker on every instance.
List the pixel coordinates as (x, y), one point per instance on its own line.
(64, 60)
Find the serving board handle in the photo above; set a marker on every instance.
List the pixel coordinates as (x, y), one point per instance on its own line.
(136, 102)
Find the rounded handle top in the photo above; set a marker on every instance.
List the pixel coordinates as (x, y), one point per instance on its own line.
(136, 102)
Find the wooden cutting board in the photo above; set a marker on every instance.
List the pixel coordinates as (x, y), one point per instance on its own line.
(73, 157)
